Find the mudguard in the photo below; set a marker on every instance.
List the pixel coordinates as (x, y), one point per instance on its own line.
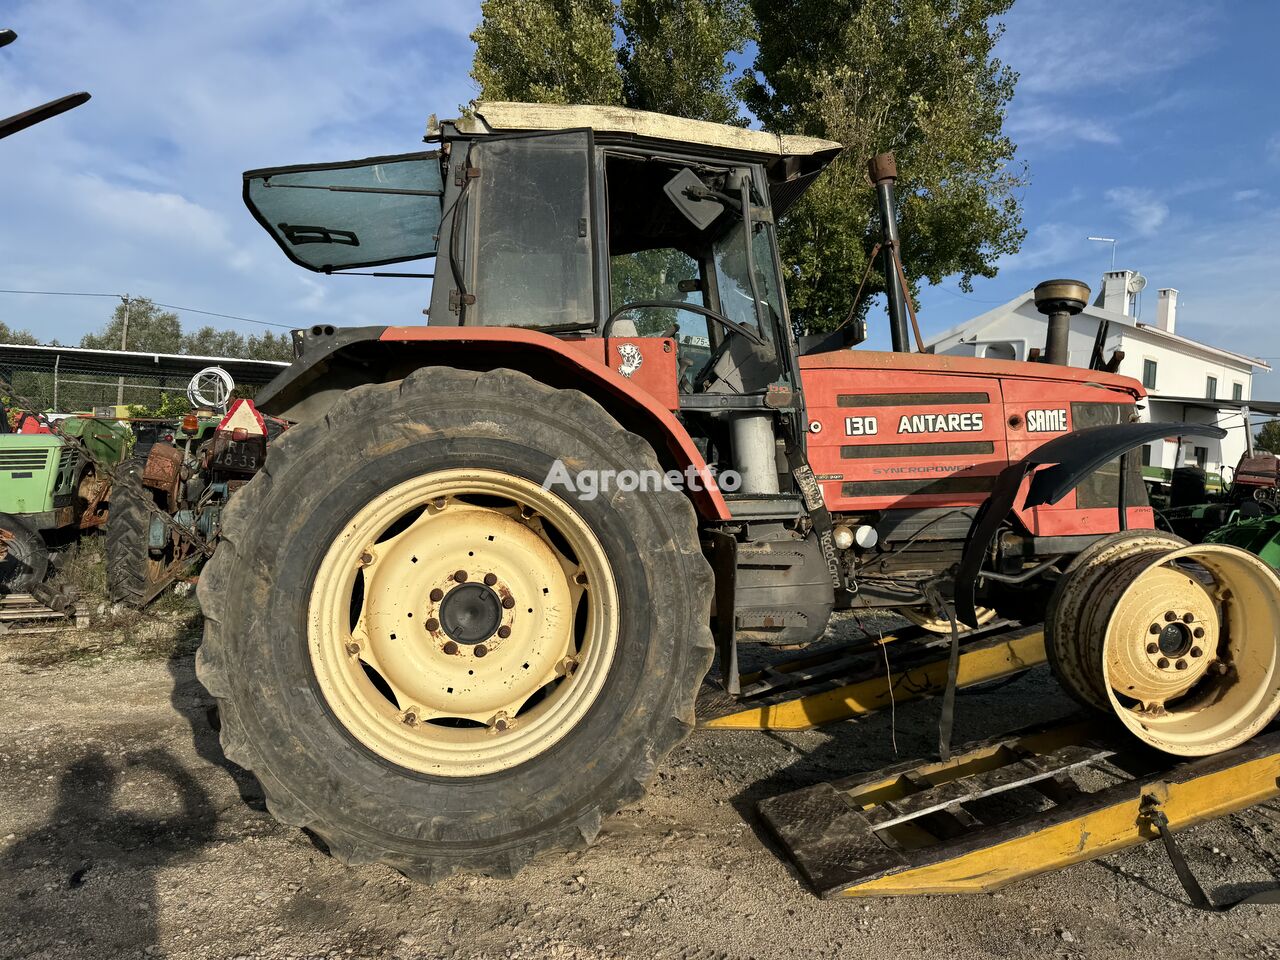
(1073, 457)
(331, 360)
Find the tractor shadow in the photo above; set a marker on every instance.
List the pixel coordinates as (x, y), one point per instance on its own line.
(198, 708)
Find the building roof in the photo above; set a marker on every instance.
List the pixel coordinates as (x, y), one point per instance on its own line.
(129, 363)
(1098, 313)
(492, 116)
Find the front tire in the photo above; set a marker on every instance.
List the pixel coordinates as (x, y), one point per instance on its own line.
(26, 561)
(132, 573)
(431, 661)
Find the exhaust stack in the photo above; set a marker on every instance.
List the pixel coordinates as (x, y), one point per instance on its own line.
(1060, 300)
(883, 171)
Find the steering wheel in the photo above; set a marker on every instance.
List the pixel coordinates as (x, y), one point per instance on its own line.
(738, 328)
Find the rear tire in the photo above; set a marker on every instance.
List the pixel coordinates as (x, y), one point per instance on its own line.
(131, 571)
(384, 780)
(27, 561)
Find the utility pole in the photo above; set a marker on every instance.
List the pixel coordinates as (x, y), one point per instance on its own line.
(124, 345)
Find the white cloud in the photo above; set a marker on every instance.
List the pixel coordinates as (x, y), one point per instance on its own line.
(1243, 196)
(1144, 212)
(1038, 123)
(139, 189)
(1060, 47)
(1272, 148)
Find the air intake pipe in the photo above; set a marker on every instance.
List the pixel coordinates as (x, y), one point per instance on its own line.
(1060, 300)
(883, 171)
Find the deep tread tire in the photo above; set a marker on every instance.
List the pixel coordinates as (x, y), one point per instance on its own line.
(126, 534)
(28, 561)
(256, 588)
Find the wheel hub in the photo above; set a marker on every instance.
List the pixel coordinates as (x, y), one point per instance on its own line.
(470, 613)
(1164, 637)
(463, 622)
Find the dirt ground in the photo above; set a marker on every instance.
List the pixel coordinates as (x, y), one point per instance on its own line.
(124, 832)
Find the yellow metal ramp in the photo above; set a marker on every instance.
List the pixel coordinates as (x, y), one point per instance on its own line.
(814, 690)
(1008, 808)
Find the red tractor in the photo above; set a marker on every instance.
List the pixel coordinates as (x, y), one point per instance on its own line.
(465, 610)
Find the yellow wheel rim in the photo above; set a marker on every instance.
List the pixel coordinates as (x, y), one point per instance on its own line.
(926, 618)
(463, 622)
(1190, 654)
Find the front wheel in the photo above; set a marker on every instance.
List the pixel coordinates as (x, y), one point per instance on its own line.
(26, 559)
(430, 658)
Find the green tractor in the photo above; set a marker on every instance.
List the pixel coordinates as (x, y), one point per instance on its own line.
(52, 487)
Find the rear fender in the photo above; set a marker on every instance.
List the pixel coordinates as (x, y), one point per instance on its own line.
(1045, 476)
(332, 360)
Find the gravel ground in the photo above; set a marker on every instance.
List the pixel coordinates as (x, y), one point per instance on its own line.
(124, 832)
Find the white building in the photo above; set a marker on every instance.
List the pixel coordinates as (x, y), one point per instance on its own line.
(1187, 381)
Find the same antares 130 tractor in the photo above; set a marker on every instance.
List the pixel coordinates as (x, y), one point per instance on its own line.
(455, 620)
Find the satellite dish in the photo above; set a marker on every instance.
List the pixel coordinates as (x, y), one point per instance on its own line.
(211, 387)
(1137, 283)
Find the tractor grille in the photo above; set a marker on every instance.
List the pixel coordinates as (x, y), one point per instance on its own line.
(24, 459)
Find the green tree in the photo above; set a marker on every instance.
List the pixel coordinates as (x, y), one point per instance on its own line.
(674, 58)
(913, 76)
(547, 51)
(664, 55)
(151, 328)
(1268, 438)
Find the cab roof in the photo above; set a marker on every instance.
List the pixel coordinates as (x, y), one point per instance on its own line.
(495, 116)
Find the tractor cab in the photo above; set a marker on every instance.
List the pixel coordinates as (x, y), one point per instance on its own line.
(585, 223)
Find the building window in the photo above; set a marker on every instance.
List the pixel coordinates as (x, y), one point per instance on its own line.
(1146, 455)
(1211, 388)
(1000, 351)
(1149, 374)
(1202, 457)
(1237, 391)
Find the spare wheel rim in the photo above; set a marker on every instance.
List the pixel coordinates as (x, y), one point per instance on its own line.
(1191, 652)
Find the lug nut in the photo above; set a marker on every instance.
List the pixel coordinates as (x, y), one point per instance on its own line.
(504, 631)
(450, 647)
(353, 648)
(439, 503)
(1153, 648)
(1162, 663)
(366, 558)
(1198, 632)
(1197, 652)
(460, 576)
(1170, 616)
(433, 624)
(410, 718)
(581, 579)
(508, 602)
(437, 595)
(500, 723)
(1181, 664)
(1154, 628)
(1188, 618)
(490, 579)
(480, 649)
(567, 666)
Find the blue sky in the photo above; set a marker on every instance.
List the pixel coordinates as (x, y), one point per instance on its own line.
(1152, 122)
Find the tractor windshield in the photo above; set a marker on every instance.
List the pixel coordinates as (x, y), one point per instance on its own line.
(362, 213)
(662, 256)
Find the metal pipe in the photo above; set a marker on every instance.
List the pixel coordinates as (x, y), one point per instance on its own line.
(1060, 300)
(884, 173)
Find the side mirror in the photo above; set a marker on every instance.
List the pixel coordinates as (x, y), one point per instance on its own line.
(693, 199)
